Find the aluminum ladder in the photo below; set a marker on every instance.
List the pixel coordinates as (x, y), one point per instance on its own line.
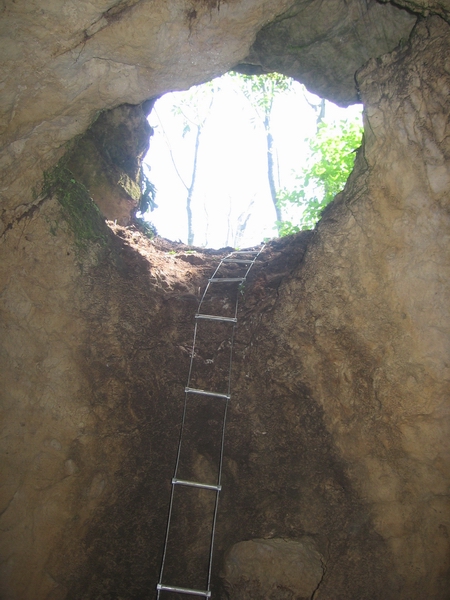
(222, 290)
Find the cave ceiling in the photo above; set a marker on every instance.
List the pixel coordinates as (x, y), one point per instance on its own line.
(323, 45)
(61, 65)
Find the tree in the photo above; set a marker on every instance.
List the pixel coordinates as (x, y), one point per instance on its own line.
(260, 91)
(332, 156)
(194, 109)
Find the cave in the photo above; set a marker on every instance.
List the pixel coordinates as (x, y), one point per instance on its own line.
(336, 467)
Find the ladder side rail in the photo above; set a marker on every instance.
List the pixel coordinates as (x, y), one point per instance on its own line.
(166, 542)
(211, 546)
(221, 454)
(209, 282)
(172, 493)
(180, 441)
(222, 444)
(216, 504)
(177, 462)
(252, 262)
(183, 420)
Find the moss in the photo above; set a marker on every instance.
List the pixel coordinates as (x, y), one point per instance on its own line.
(78, 209)
(130, 187)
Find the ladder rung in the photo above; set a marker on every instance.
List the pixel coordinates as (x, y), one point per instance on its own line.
(205, 486)
(246, 252)
(238, 260)
(214, 318)
(172, 588)
(226, 279)
(189, 390)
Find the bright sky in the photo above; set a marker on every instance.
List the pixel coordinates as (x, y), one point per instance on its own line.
(232, 164)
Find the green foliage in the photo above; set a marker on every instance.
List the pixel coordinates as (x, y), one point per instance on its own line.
(332, 156)
(286, 228)
(146, 228)
(148, 196)
(78, 209)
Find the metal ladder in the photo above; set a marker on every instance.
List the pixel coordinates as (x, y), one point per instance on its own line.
(220, 288)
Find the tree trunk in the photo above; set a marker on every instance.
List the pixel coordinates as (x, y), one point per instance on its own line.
(190, 237)
(271, 171)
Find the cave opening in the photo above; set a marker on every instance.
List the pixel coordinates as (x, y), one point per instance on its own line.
(235, 161)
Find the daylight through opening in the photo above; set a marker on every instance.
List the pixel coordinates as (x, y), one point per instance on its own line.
(241, 159)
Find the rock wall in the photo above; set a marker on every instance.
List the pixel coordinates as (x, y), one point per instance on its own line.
(107, 160)
(325, 51)
(380, 306)
(62, 65)
(339, 426)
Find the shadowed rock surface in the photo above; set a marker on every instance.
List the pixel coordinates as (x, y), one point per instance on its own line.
(108, 160)
(273, 568)
(323, 45)
(339, 421)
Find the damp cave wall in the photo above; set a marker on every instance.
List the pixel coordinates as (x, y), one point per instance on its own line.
(340, 426)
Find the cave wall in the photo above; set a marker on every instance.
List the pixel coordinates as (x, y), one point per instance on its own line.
(61, 65)
(381, 307)
(325, 53)
(108, 158)
(339, 424)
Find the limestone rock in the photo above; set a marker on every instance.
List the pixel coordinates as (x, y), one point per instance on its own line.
(61, 65)
(426, 7)
(276, 569)
(324, 47)
(108, 160)
(402, 320)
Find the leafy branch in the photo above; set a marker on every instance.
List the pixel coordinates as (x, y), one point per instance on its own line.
(331, 160)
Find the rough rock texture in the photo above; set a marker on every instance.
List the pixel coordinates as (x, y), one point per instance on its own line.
(45, 402)
(323, 45)
(276, 569)
(383, 307)
(97, 54)
(108, 160)
(62, 64)
(426, 7)
(79, 396)
(339, 423)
